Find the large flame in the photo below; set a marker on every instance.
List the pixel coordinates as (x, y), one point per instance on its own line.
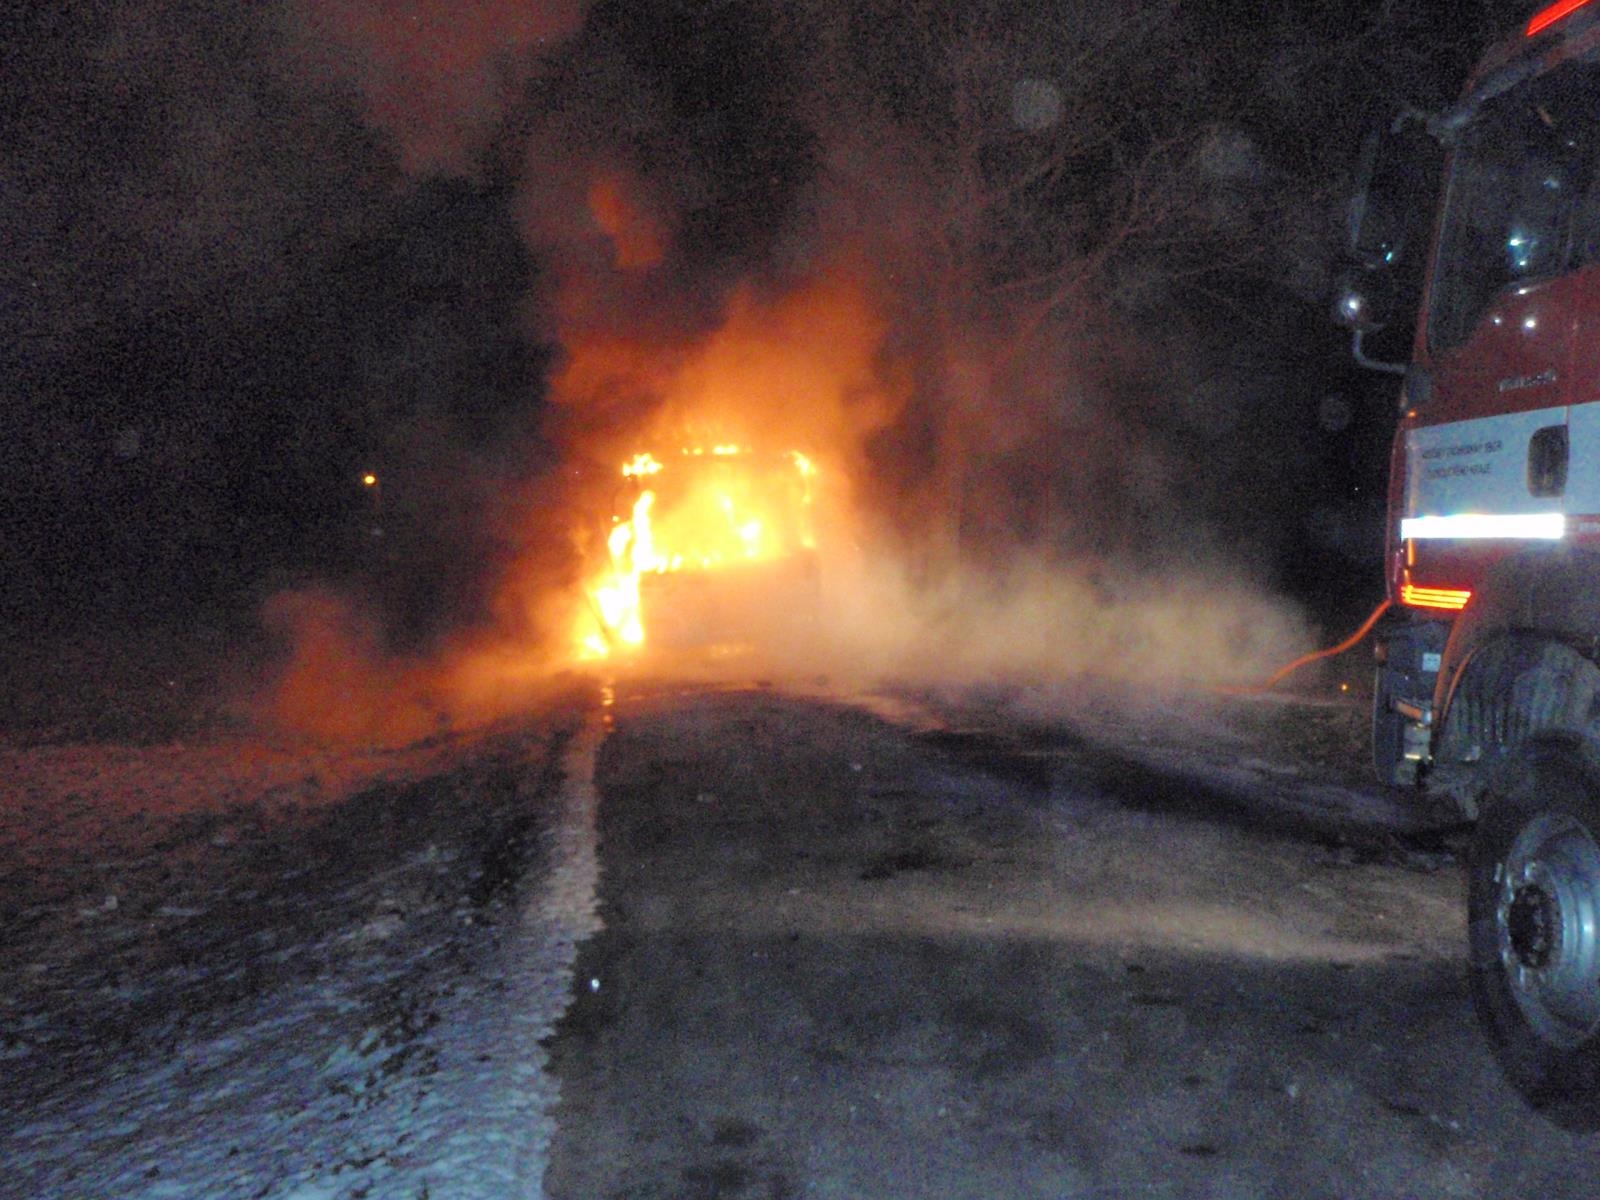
(755, 432)
(715, 508)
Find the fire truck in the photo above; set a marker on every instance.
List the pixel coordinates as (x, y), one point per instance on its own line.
(1487, 694)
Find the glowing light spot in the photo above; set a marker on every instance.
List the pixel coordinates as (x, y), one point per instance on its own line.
(1547, 17)
(1035, 104)
(1445, 599)
(1481, 526)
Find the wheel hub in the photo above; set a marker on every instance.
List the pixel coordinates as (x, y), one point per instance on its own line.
(1533, 921)
(1549, 919)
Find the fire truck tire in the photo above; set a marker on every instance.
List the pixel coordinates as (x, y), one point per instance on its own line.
(1533, 906)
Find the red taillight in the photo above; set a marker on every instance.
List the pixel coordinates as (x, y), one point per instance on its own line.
(1448, 599)
(1547, 17)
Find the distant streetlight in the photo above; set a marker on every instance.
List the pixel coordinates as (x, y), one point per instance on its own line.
(369, 480)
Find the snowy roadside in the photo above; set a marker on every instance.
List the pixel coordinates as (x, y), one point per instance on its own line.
(232, 971)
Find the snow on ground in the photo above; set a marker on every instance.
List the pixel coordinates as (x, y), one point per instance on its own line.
(232, 969)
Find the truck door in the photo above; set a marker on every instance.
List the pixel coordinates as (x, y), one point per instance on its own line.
(1488, 452)
(1583, 473)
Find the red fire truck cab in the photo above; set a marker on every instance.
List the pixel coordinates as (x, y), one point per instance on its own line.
(1488, 689)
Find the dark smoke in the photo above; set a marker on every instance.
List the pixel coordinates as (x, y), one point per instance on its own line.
(481, 248)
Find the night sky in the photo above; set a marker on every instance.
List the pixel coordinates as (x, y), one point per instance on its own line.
(252, 251)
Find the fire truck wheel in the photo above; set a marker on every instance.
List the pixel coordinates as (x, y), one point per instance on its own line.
(1533, 906)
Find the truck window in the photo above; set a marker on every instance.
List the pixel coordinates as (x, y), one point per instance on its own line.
(1517, 179)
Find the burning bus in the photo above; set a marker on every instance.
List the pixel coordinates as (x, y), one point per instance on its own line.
(707, 547)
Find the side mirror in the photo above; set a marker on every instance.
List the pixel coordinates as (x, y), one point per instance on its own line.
(1382, 207)
(1390, 212)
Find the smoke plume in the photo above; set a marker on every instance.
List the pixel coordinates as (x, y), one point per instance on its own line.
(937, 260)
(436, 76)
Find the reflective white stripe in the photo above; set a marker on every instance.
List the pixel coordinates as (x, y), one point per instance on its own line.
(1546, 526)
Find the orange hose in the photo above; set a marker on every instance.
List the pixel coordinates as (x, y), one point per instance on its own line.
(1284, 672)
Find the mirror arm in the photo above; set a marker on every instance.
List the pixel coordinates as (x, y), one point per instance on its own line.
(1372, 364)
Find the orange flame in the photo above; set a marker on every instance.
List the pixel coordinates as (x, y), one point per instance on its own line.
(735, 510)
(799, 370)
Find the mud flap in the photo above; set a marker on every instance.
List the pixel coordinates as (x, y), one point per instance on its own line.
(1402, 693)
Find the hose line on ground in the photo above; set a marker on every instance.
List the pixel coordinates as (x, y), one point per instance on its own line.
(1284, 672)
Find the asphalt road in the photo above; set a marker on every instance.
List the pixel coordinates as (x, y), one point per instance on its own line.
(858, 952)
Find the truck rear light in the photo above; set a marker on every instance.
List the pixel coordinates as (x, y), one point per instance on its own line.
(1447, 599)
(1547, 17)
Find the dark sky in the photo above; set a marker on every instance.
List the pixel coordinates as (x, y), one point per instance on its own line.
(255, 249)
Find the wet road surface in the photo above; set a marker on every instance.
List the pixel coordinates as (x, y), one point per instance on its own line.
(847, 955)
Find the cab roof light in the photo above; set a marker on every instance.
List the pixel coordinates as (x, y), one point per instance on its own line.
(1549, 15)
